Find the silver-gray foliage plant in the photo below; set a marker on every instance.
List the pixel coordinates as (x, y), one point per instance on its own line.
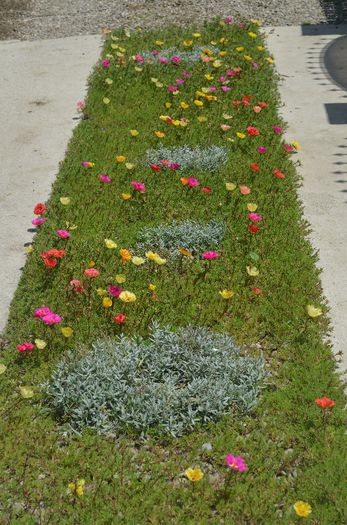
(171, 382)
(191, 235)
(204, 159)
(187, 56)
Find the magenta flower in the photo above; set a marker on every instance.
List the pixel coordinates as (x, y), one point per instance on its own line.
(63, 234)
(172, 88)
(25, 347)
(155, 53)
(277, 129)
(185, 74)
(225, 88)
(212, 88)
(115, 291)
(262, 149)
(230, 72)
(192, 182)
(163, 60)
(38, 221)
(236, 463)
(138, 186)
(209, 256)
(176, 60)
(139, 58)
(105, 63)
(51, 319)
(179, 81)
(104, 178)
(255, 217)
(41, 312)
(174, 166)
(228, 20)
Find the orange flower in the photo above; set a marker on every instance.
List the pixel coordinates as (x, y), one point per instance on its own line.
(245, 190)
(185, 252)
(125, 255)
(184, 181)
(324, 402)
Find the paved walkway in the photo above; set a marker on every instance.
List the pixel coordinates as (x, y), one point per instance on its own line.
(39, 85)
(316, 111)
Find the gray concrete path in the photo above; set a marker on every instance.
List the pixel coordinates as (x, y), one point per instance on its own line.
(40, 83)
(316, 111)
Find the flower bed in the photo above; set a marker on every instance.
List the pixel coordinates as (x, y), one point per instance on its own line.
(224, 201)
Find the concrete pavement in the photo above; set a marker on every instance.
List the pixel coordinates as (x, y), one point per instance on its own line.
(40, 83)
(315, 108)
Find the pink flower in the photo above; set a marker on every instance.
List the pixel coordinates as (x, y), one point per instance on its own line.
(212, 89)
(262, 149)
(155, 53)
(185, 74)
(209, 256)
(104, 178)
(163, 60)
(179, 81)
(172, 88)
(105, 63)
(51, 318)
(255, 65)
(41, 312)
(25, 347)
(223, 79)
(255, 217)
(228, 20)
(288, 147)
(38, 221)
(192, 182)
(115, 291)
(277, 129)
(226, 88)
(91, 272)
(138, 186)
(76, 285)
(165, 162)
(63, 234)
(236, 463)
(176, 60)
(230, 72)
(174, 166)
(80, 104)
(139, 58)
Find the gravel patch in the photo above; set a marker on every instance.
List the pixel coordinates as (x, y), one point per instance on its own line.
(40, 19)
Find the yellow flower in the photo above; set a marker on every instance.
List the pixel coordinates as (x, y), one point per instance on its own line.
(184, 105)
(139, 69)
(127, 297)
(151, 255)
(67, 331)
(252, 35)
(222, 53)
(159, 260)
(202, 119)
(106, 100)
(198, 103)
(187, 43)
(138, 261)
(217, 63)
(3, 368)
(120, 278)
(252, 271)
(256, 22)
(65, 200)
(134, 132)
(159, 134)
(107, 302)
(247, 57)
(295, 144)
(176, 122)
(77, 488)
(91, 264)
(194, 474)
(108, 81)
(312, 311)
(302, 508)
(152, 287)
(240, 135)
(168, 105)
(261, 48)
(126, 196)
(29, 249)
(101, 291)
(129, 166)
(26, 392)
(226, 294)
(125, 255)
(270, 60)
(239, 49)
(159, 43)
(230, 186)
(196, 35)
(110, 244)
(251, 206)
(120, 158)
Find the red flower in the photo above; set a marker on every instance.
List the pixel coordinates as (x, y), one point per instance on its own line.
(263, 104)
(254, 167)
(236, 102)
(252, 131)
(39, 209)
(257, 291)
(253, 228)
(279, 174)
(206, 190)
(25, 347)
(50, 262)
(119, 319)
(246, 98)
(155, 167)
(324, 402)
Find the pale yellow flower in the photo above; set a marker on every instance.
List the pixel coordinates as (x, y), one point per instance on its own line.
(127, 297)
(26, 392)
(138, 261)
(110, 244)
(3, 368)
(252, 271)
(251, 206)
(120, 278)
(230, 186)
(194, 474)
(65, 201)
(313, 311)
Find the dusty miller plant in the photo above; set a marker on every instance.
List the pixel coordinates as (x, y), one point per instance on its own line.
(204, 159)
(171, 382)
